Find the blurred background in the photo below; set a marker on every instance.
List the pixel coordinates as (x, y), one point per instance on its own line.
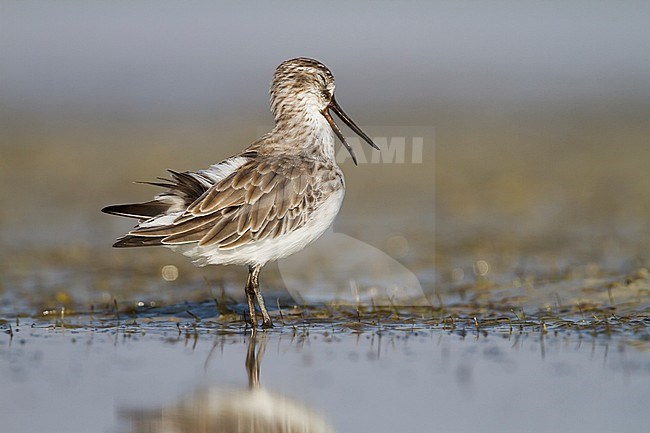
(533, 118)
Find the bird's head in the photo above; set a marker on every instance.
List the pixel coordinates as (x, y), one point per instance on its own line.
(304, 85)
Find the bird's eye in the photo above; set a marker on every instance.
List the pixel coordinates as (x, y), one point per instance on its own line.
(326, 95)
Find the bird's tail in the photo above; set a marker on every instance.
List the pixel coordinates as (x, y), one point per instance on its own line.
(182, 190)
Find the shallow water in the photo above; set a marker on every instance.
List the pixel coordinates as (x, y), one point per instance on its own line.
(159, 377)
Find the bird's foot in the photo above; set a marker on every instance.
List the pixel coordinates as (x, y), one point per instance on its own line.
(267, 324)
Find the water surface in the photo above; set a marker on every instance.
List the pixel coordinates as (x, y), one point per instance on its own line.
(134, 377)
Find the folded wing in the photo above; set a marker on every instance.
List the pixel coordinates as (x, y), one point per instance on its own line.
(255, 202)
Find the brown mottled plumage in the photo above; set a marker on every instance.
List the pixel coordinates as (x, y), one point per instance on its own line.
(267, 202)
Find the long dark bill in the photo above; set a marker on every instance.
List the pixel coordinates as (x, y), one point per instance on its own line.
(336, 108)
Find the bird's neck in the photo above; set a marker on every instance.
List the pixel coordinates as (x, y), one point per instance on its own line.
(307, 131)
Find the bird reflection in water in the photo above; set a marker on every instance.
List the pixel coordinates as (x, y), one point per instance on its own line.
(216, 410)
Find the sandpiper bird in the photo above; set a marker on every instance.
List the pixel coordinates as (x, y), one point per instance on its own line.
(269, 201)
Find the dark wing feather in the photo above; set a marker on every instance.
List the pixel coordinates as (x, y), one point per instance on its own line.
(137, 241)
(183, 188)
(141, 211)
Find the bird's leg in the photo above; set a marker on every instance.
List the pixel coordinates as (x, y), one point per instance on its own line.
(254, 273)
(250, 296)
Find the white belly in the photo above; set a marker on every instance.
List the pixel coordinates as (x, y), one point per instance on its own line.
(269, 250)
